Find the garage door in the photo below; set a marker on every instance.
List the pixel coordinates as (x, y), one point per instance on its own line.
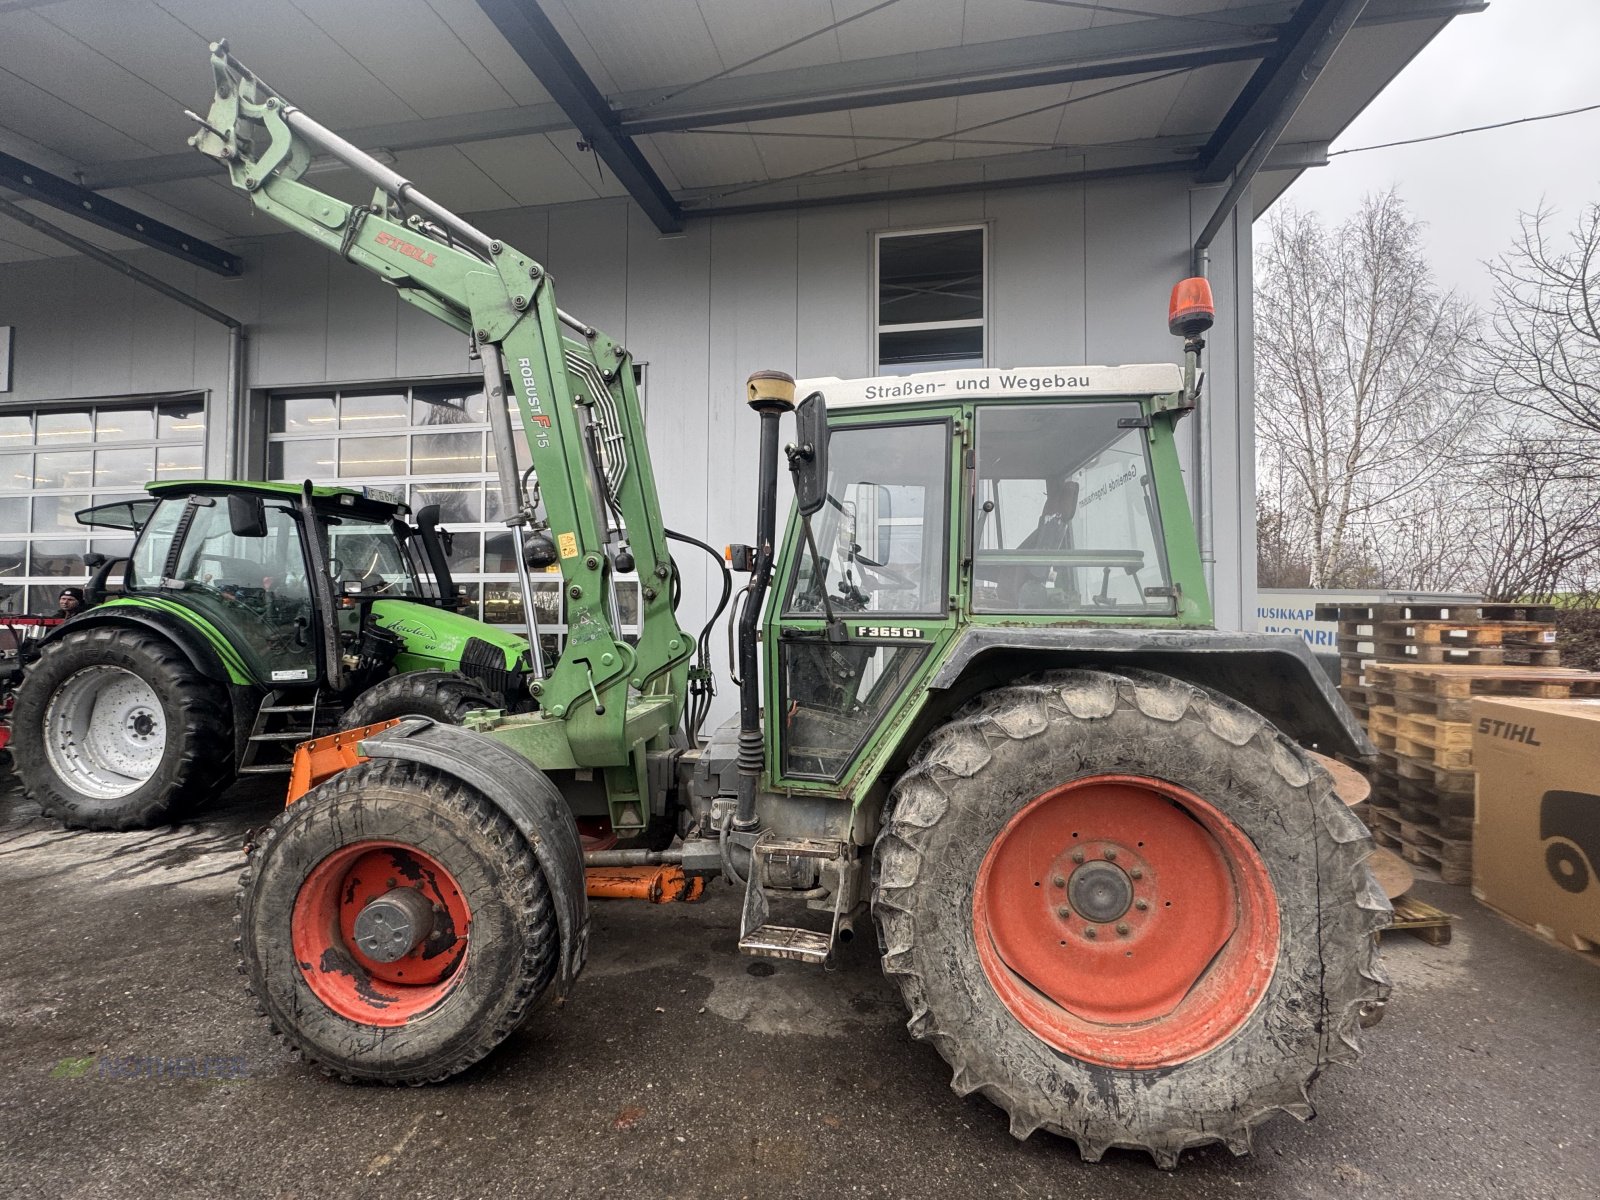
(57, 459)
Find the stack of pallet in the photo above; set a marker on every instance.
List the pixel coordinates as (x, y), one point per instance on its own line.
(1410, 673)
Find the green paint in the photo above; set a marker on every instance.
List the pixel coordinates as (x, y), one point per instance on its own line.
(436, 638)
(238, 671)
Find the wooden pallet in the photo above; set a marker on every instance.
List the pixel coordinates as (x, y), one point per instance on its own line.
(1440, 682)
(1368, 613)
(1420, 919)
(1406, 651)
(1451, 857)
(1466, 633)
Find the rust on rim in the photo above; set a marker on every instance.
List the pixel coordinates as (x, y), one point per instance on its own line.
(1126, 922)
(380, 932)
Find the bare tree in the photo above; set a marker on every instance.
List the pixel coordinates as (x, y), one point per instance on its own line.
(1361, 395)
(1544, 356)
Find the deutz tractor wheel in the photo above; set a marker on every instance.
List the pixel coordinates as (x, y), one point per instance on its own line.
(1128, 911)
(114, 729)
(445, 696)
(394, 926)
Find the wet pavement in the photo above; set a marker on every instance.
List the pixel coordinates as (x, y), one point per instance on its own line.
(679, 1068)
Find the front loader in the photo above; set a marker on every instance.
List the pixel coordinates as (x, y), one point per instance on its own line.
(983, 708)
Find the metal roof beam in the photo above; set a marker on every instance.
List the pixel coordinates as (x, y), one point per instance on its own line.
(1269, 101)
(455, 130)
(47, 188)
(524, 25)
(1106, 51)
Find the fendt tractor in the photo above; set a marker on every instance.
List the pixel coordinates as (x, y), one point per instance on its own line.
(981, 701)
(249, 617)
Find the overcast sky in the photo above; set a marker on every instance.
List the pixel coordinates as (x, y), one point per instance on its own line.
(1519, 58)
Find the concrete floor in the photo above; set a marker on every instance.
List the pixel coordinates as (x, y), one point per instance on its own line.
(680, 1068)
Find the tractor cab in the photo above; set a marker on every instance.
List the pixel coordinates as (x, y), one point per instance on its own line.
(243, 557)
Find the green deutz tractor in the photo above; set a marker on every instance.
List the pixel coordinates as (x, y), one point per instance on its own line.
(251, 616)
(982, 708)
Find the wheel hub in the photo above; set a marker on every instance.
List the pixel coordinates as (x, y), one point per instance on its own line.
(104, 731)
(1100, 891)
(1126, 921)
(394, 924)
(381, 932)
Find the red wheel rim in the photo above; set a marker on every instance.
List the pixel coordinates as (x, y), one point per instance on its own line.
(1171, 975)
(322, 931)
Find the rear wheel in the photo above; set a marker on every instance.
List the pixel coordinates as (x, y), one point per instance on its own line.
(443, 696)
(394, 926)
(115, 729)
(1128, 911)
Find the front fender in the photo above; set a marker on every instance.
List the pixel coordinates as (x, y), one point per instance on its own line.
(1274, 674)
(528, 799)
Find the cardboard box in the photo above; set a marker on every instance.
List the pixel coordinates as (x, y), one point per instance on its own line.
(1536, 838)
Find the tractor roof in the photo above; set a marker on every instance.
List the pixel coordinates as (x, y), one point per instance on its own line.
(369, 502)
(993, 383)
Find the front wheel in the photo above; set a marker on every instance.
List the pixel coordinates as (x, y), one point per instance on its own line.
(443, 696)
(115, 729)
(1128, 911)
(394, 926)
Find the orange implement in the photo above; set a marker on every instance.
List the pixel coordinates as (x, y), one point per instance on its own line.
(324, 757)
(657, 884)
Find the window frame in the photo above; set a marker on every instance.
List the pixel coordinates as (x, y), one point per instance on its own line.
(878, 328)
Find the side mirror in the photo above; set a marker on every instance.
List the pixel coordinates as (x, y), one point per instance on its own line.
(808, 457)
(247, 515)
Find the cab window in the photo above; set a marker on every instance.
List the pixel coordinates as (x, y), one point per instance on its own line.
(881, 536)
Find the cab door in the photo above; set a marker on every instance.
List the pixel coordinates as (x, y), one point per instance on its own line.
(883, 568)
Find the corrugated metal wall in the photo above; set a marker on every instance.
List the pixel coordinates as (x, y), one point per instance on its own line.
(1077, 274)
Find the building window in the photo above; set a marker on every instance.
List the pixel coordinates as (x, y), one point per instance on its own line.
(932, 299)
(57, 460)
(429, 444)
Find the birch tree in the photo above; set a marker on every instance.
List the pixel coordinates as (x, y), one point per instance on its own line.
(1361, 381)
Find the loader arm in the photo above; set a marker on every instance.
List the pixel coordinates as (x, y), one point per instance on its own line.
(573, 387)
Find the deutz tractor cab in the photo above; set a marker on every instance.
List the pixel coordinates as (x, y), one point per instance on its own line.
(292, 608)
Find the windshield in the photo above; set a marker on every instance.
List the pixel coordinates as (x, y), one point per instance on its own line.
(367, 552)
(1065, 514)
(881, 534)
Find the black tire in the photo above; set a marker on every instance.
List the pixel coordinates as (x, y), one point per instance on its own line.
(509, 960)
(972, 775)
(443, 696)
(1567, 866)
(196, 761)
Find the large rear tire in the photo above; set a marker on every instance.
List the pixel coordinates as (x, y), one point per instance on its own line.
(1128, 911)
(443, 696)
(115, 729)
(483, 951)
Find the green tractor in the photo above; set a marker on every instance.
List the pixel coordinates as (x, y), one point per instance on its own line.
(251, 616)
(983, 709)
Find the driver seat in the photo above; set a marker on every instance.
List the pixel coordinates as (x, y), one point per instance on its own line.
(1025, 589)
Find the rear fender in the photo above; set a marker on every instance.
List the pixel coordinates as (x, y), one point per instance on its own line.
(528, 799)
(189, 640)
(1273, 674)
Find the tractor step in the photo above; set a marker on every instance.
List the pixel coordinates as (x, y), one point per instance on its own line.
(776, 857)
(292, 735)
(266, 769)
(290, 708)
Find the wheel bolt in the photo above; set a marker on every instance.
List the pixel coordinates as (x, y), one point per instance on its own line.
(1111, 854)
(1090, 932)
(1141, 905)
(1135, 872)
(1122, 929)
(1060, 881)
(1063, 911)
(1077, 856)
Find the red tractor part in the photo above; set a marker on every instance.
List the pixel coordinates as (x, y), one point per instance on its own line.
(1126, 922)
(661, 884)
